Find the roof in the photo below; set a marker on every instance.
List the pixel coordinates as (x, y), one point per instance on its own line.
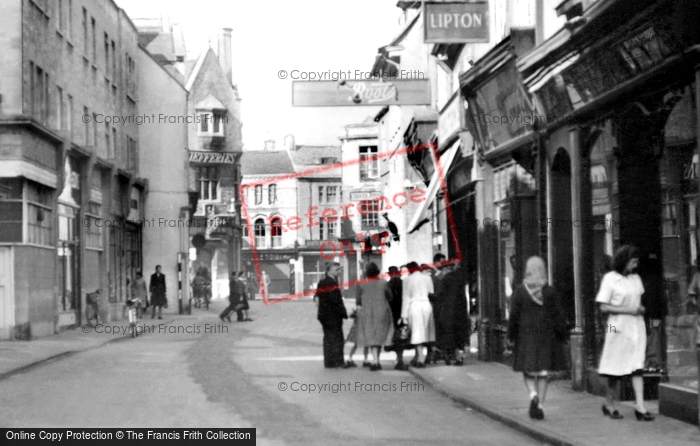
(210, 103)
(266, 162)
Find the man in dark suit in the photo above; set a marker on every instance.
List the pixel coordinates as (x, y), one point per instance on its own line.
(157, 289)
(331, 312)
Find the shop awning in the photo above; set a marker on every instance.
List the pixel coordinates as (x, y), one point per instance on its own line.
(435, 183)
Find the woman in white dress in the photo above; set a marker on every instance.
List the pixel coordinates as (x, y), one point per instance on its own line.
(620, 297)
(417, 311)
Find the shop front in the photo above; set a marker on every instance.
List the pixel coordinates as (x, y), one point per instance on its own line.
(496, 192)
(622, 127)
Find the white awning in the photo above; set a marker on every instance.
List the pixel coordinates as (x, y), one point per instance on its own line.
(435, 183)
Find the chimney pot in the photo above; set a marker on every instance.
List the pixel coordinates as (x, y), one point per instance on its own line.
(289, 143)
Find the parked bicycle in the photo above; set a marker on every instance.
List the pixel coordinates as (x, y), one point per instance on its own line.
(92, 313)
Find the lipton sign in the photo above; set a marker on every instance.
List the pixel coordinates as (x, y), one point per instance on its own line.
(456, 22)
(360, 93)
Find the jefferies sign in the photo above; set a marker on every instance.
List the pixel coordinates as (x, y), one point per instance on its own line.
(456, 22)
(212, 157)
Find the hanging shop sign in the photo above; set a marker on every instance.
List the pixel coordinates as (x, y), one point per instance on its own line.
(360, 93)
(456, 22)
(451, 120)
(212, 157)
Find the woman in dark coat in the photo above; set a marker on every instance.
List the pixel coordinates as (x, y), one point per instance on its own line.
(538, 329)
(157, 289)
(453, 316)
(375, 324)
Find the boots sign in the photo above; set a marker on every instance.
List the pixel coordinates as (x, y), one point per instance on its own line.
(456, 22)
(360, 93)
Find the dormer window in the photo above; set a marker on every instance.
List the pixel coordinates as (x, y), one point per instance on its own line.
(211, 117)
(211, 123)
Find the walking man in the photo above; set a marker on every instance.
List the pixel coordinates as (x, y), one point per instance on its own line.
(157, 289)
(331, 312)
(233, 297)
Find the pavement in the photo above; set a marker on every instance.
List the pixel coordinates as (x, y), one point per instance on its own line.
(20, 356)
(571, 417)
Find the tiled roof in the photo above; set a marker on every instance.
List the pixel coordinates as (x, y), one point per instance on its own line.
(266, 162)
(307, 158)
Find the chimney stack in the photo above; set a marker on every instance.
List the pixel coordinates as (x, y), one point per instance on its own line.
(224, 53)
(270, 145)
(289, 143)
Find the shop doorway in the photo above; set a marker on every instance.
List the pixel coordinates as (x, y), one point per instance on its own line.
(561, 229)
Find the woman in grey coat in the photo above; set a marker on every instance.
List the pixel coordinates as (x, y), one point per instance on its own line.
(375, 323)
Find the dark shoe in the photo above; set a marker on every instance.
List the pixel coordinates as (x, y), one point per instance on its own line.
(420, 365)
(375, 367)
(248, 319)
(539, 414)
(222, 318)
(643, 416)
(459, 362)
(414, 362)
(160, 317)
(400, 366)
(349, 364)
(534, 406)
(366, 364)
(615, 415)
(228, 318)
(448, 361)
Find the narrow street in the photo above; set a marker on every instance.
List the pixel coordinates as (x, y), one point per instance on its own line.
(234, 379)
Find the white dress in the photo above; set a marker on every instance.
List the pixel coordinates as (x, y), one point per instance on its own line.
(625, 334)
(416, 307)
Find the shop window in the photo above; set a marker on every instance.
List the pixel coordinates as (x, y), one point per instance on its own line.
(40, 216)
(369, 212)
(276, 232)
(94, 239)
(260, 233)
(11, 210)
(369, 166)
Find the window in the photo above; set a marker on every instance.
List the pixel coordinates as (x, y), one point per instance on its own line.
(94, 39)
(106, 55)
(321, 192)
(331, 194)
(211, 123)
(69, 16)
(114, 63)
(368, 169)
(86, 126)
(94, 237)
(258, 194)
(60, 112)
(39, 224)
(85, 33)
(328, 228)
(61, 21)
(94, 130)
(272, 193)
(38, 92)
(108, 143)
(11, 209)
(208, 178)
(69, 116)
(276, 232)
(260, 233)
(369, 211)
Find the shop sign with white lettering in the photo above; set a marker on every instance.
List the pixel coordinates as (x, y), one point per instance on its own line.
(212, 157)
(456, 22)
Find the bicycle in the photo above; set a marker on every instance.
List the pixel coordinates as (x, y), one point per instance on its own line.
(132, 306)
(92, 309)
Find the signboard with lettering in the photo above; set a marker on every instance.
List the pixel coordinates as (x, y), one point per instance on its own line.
(456, 22)
(360, 93)
(212, 157)
(451, 120)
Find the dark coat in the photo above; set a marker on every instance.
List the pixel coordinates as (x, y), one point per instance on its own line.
(331, 308)
(236, 290)
(396, 287)
(157, 289)
(538, 331)
(453, 319)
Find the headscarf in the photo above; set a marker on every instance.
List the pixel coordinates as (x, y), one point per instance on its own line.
(535, 278)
